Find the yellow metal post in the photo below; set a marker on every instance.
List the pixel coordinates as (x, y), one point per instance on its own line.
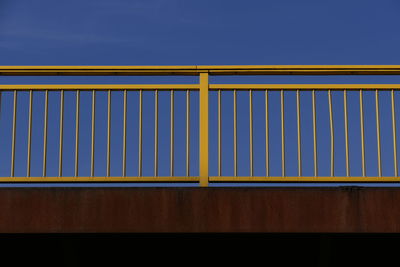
(203, 157)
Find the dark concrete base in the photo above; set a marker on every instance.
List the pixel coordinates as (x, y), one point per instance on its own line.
(80, 210)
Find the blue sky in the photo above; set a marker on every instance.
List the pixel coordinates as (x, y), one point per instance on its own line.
(160, 32)
(153, 32)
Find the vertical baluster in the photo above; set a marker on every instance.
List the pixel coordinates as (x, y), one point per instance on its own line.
(315, 133)
(332, 134)
(60, 157)
(266, 135)
(28, 167)
(14, 130)
(124, 135)
(235, 167)
(172, 135)
(187, 133)
(395, 164)
(156, 133)
(108, 133)
(77, 133)
(0, 105)
(283, 131)
(346, 131)
(378, 132)
(46, 116)
(298, 134)
(140, 131)
(219, 133)
(93, 132)
(251, 131)
(362, 134)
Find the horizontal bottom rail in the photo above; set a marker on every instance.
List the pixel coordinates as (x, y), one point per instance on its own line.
(307, 179)
(114, 179)
(184, 179)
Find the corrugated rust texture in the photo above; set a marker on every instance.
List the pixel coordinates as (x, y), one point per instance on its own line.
(239, 209)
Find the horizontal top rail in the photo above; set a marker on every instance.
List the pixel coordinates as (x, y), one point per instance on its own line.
(304, 86)
(41, 87)
(74, 87)
(196, 70)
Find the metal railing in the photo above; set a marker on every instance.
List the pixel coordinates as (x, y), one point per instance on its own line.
(202, 125)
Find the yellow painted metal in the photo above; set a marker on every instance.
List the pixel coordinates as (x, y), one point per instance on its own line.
(172, 134)
(362, 134)
(204, 87)
(314, 179)
(143, 179)
(299, 169)
(235, 167)
(28, 167)
(100, 87)
(187, 133)
(394, 132)
(196, 70)
(184, 87)
(140, 132)
(251, 132)
(184, 179)
(283, 131)
(346, 132)
(14, 130)
(61, 141)
(314, 112)
(378, 132)
(124, 134)
(77, 133)
(203, 131)
(156, 133)
(219, 135)
(332, 134)
(266, 135)
(93, 132)
(295, 87)
(45, 126)
(108, 170)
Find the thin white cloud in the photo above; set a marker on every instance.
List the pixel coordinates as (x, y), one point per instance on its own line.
(53, 35)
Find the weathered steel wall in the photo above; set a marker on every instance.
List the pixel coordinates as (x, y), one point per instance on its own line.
(199, 210)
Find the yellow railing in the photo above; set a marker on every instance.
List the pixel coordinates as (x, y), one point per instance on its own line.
(204, 88)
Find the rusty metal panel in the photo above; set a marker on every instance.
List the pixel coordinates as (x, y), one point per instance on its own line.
(80, 210)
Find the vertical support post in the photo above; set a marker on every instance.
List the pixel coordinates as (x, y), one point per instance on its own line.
(203, 149)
